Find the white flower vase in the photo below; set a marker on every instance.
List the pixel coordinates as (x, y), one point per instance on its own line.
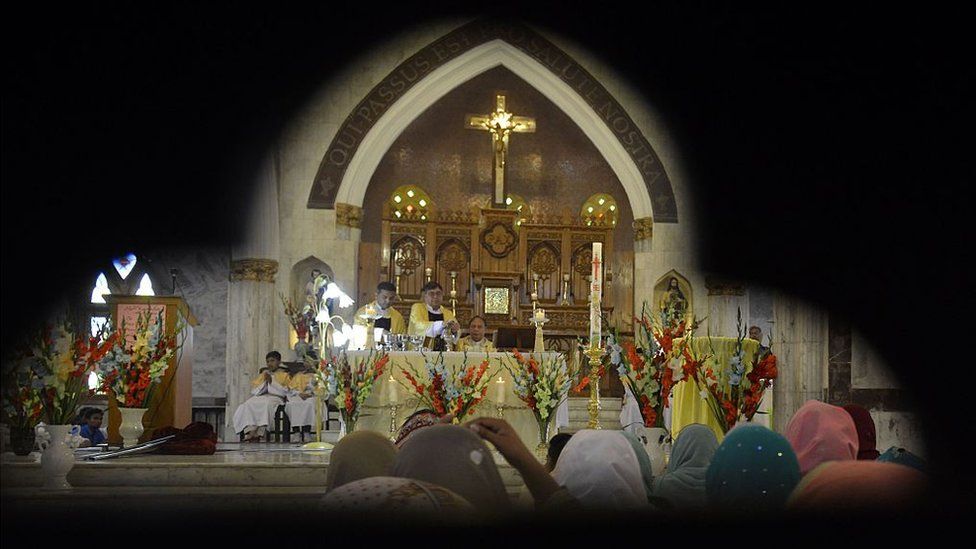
(656, 438)
(57, 457)
(131, 427)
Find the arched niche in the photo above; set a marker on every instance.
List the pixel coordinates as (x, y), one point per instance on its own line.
(661, 288)
(301, 274)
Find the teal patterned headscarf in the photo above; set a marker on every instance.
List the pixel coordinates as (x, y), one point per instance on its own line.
(754, 467)
(903, 457)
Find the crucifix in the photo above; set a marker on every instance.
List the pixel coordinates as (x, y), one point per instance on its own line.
(500, 124)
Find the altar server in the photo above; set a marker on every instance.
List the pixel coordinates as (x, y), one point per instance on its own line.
(300, 400)
(429, 319)
(269, 390)
(819, 432)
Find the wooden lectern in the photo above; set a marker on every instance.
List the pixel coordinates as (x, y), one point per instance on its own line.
(172, 400)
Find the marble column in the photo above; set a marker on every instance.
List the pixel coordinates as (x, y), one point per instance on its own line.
(252, 307)
(725, 301)
(799, 335)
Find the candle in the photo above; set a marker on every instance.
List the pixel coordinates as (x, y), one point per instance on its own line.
(535, 276)
(392, 390)
(540, 313)
(427, 271)
(566, 277)
(500, 391)
(596, 294)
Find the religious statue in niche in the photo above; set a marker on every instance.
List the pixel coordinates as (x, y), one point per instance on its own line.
(673, 304)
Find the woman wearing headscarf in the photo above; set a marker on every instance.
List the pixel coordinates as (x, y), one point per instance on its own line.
(455, 458)
(644, 460)
(601, 470)
(396, 496)
(867, 438)
(417, 420)
(359, 455)
(845, 486)
(819, 432)
(902, 456)
(683, 485)
(753, 468)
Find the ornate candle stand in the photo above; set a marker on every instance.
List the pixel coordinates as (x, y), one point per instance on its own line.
(594, 354)
(539, 322)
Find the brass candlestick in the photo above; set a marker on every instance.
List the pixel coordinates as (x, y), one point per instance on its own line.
(396, 282)
(318, 445)
(593, 354)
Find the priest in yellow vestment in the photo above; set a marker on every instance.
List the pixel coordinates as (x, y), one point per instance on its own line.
(429, 319)
(391, 320)
(476, 341)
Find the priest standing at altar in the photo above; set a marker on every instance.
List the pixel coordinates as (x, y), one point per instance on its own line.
(429, 319)
(390, 319)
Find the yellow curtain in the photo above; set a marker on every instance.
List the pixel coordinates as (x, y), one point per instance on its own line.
(688, 407)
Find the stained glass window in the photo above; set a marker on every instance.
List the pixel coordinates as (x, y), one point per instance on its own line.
(125, 264)
(410, 203)
(145, 286)
(599, 210)
(100, 289)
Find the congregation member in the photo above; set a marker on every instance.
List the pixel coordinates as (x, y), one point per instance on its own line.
(601, 469)
(359, 455)
(429, 319)
(396, 498)
(424, 417)
(902, 456)
(476, 341)
(861, 486)
(390, 319)
(682, 486)
(455, 458)
(556, 445)
(753, 470)
(819, 432)
(91, 428)
(867, 438)
(270, 389)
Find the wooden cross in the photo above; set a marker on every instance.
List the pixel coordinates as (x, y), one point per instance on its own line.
(500, 124)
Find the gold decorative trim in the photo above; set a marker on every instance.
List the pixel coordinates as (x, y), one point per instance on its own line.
(643, 228)
(348, 215)
(716, 286)
(257, 270)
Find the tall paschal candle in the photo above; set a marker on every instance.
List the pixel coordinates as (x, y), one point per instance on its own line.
(596, 294)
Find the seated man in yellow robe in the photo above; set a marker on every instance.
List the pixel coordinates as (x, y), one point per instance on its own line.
(269, 390)
(476, 341)
(391, 320)
(429, 319)
(300, 405)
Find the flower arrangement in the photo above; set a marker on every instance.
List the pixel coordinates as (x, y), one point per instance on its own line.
(61, 361)
(350, 383)
(732, 394)
(298, 318)
(21, 398)
(649, 367)
(542, 386)
(135, 364)
(452, 390)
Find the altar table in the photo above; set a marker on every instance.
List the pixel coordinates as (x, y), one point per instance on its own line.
(376, 413)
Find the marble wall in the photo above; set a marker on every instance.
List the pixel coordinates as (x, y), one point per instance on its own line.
(202, 282)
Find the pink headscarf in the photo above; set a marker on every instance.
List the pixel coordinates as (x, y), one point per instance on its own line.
(859, 486)
(820, 432)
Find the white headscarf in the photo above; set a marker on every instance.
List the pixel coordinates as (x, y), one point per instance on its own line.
(599, 468)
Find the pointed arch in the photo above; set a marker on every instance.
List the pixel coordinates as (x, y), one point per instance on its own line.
(522, 51)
